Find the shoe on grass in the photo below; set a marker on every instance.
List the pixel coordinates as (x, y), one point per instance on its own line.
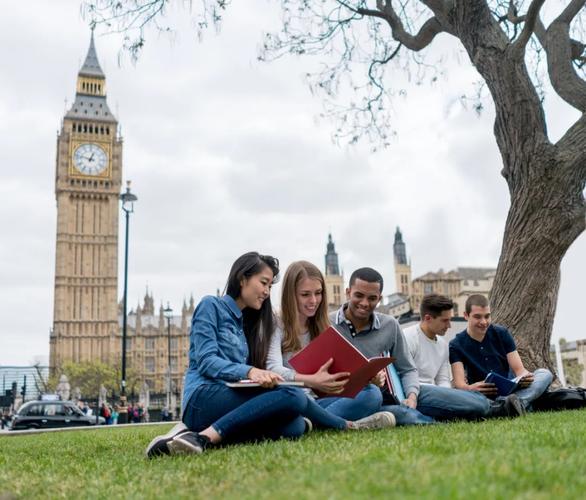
(514, 406)
(308, 425)
(379, 420)
(158, 446)
(188, 443)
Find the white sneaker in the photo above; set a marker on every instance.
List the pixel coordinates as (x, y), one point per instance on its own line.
(379, 420)
(308, 425)
(158, 446)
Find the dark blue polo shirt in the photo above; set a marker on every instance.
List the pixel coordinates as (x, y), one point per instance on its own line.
(479, 358)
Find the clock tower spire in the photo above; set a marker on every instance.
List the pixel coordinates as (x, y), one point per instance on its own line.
(87, 185)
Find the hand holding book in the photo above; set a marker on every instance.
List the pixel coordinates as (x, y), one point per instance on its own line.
(505, 386)
(526, 380)
(331, 351)
(486, 388)
(325, 382)
(264, 378)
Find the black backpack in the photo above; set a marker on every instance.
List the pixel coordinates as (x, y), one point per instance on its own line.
(565, 398)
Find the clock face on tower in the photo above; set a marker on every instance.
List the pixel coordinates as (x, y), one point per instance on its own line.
(90, 159)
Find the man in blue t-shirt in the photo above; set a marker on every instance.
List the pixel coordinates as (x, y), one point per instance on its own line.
(483, 348)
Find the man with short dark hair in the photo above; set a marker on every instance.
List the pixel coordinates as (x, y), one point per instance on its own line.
(429, 351)
(373, 333)
(425, 339)
(484, 347)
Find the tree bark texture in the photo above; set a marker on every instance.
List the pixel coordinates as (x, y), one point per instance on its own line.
(546, 183)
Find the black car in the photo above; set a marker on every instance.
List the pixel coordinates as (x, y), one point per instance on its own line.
(50, 415)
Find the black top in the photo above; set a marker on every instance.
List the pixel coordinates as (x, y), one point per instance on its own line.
(479, 358)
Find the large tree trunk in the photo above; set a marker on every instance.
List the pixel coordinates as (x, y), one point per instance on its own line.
(545, 182)
(545, 217)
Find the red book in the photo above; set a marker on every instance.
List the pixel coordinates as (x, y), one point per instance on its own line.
(331, 344)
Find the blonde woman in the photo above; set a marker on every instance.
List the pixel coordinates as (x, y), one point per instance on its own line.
(304, 315)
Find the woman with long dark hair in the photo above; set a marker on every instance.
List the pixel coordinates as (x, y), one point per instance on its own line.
(229, 342)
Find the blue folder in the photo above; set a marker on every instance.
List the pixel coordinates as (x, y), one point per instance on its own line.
(396, 387)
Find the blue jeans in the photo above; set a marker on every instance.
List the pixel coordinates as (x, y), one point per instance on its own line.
(247, 414)
(407, 416)
(543, 378)
(366, 402)
(445, 403)
(321, 417)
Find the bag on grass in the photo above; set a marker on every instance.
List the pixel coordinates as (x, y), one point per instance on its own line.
(565, 398)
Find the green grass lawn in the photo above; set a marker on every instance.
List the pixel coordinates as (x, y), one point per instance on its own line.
(539, 456)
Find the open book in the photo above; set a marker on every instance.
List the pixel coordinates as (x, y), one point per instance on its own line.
(331, 344)
(504, 385)
(249, 383)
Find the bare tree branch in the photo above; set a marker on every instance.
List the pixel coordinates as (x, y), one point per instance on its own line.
(528, 27)
(572, 143)
(422, 39)
(512, 14)
(571, 11)
(561, 52)
(437, 6)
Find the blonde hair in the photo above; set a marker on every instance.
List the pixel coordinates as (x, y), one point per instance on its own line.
(316, 324)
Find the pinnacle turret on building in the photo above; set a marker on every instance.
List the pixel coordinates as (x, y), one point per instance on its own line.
(332, 266)
(334, 280)
(402, 266)
(399, 248)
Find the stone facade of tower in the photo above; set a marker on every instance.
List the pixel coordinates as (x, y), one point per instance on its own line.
(87, 187)
(334, 279)
(402, 266)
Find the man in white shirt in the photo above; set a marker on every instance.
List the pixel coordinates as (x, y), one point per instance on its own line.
(426, 344)
(430, 352)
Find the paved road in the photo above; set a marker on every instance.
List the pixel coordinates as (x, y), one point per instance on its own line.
(4, 432)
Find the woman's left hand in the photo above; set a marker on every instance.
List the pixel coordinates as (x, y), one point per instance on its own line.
(265, 378)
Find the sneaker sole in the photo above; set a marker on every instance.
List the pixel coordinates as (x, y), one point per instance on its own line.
(384, 420)
(182, 447)
(155, 447)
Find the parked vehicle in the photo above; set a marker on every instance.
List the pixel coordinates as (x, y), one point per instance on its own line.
(51, 414)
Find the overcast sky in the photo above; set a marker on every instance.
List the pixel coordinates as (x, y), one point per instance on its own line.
(226, 155)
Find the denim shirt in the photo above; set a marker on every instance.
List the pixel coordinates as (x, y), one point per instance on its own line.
(217, 346)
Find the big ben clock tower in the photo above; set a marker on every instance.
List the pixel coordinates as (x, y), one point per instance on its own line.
(87, 186)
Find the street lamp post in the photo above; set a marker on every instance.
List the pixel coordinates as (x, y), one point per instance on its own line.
(168, 312)
(127, 200)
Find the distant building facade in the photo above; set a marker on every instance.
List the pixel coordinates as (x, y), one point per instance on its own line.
(29, 381)
(457, 284)
(149, 335)
(334, 279)
(574, 361)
